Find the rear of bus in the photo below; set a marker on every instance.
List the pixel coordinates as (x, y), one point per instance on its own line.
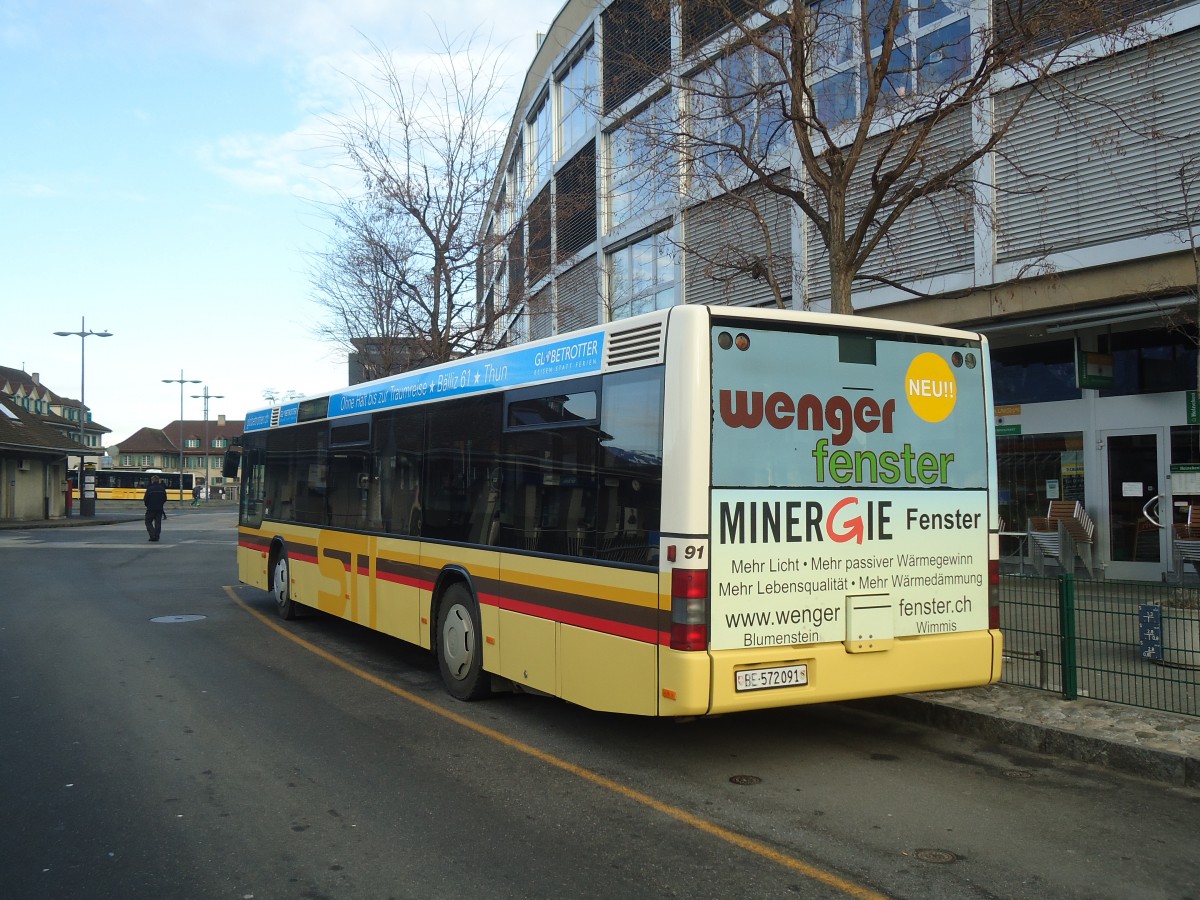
(848, 544)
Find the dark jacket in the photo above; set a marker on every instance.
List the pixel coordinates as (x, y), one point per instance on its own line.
(155, 498)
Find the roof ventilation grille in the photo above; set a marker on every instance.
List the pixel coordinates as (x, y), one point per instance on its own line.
(636, 346)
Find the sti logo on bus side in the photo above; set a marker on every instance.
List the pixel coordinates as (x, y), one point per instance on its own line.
(748, 409)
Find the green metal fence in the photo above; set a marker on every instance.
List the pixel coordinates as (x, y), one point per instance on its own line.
(1127, 642)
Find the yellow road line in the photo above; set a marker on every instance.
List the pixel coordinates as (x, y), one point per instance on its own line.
(680, 815)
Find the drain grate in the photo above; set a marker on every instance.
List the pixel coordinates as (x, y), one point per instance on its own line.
(171, 620)
(744, 779)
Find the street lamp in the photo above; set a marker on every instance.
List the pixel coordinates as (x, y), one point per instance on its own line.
(207, 396)
(181, 381)
(87, 505)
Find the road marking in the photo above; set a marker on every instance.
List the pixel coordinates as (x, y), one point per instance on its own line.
(750, 845)
(70, 545)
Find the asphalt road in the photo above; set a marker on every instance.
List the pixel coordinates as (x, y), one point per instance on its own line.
(165, 736)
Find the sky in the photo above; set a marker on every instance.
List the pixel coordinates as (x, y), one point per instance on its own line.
(162, 166)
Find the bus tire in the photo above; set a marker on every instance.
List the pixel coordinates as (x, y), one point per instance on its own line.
(460, 645)
(280, 583)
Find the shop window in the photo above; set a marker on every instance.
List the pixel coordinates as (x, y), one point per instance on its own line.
(1034, 469)
(1185, 473)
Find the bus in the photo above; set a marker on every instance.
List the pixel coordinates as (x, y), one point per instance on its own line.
(115, 484)
(691, 512)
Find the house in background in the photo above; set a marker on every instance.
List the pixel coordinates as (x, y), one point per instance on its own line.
(53, 410)
(204, 446)
(33, 465)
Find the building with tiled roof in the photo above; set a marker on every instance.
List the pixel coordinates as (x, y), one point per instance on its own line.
(204, 444)
(33, 464)
(61, 413)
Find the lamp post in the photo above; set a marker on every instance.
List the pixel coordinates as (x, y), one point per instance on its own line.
(87, 505)
(207, 396)
(181, 381)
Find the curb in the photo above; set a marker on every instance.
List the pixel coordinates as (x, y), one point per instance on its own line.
(1155, 764)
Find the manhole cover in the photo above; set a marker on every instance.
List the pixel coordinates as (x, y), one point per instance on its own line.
(171, 620)
(942, 857)
(1016, 773)
(745, 779)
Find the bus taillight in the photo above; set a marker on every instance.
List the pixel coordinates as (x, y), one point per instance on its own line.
(689, 609)
(993, 593)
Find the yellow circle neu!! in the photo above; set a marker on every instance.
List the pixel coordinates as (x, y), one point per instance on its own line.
(931, 387)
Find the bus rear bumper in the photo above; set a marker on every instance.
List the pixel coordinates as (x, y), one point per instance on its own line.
(830, 673)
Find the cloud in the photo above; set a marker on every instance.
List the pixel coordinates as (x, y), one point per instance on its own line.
(328, 50)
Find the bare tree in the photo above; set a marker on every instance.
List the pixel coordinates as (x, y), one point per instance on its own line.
(836, 110)
(398, 279)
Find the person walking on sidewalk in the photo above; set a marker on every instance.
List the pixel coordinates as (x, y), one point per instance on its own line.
(155, 499)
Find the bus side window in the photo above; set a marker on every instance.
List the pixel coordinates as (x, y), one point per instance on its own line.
(463, 452)
(630, 466)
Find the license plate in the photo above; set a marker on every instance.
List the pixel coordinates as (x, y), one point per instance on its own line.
(774, 677)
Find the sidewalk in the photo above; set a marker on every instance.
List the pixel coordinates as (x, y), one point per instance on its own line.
(1159, 746)
(116, 511)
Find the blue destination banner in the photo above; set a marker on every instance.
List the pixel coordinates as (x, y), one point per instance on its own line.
(258, 420)
(575, 356)
(579, 355)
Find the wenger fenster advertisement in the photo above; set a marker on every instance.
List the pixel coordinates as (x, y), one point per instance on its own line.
(849, 470)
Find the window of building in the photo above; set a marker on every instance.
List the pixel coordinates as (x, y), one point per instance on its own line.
(575, 202)
(702, 19)
(577, 98)
(637, 47)
(1034, 373)
(641, 170)
(540, 144)
(641, 277)
(1185, 473)
(1032, 469)
(931, 48)
(539, 253)
(219, 443)
(1151, 361)
(192, 443)
(736, 113)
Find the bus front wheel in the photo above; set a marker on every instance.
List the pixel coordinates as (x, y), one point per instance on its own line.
(280, 587)
(459, 645)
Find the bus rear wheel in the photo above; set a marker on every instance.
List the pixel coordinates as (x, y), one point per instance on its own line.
(459, 645)
(280, 587)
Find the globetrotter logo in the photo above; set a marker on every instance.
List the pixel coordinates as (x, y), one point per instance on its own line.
(931, 387)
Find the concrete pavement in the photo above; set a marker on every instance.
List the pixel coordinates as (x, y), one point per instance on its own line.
(1159, 746)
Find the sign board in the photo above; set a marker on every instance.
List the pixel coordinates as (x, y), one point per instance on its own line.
(1007, 430)
(1193, 407)
(1185, 479)
(1094, 370)
(1150, 630)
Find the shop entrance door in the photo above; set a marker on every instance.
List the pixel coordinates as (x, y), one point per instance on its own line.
(1137, 547)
